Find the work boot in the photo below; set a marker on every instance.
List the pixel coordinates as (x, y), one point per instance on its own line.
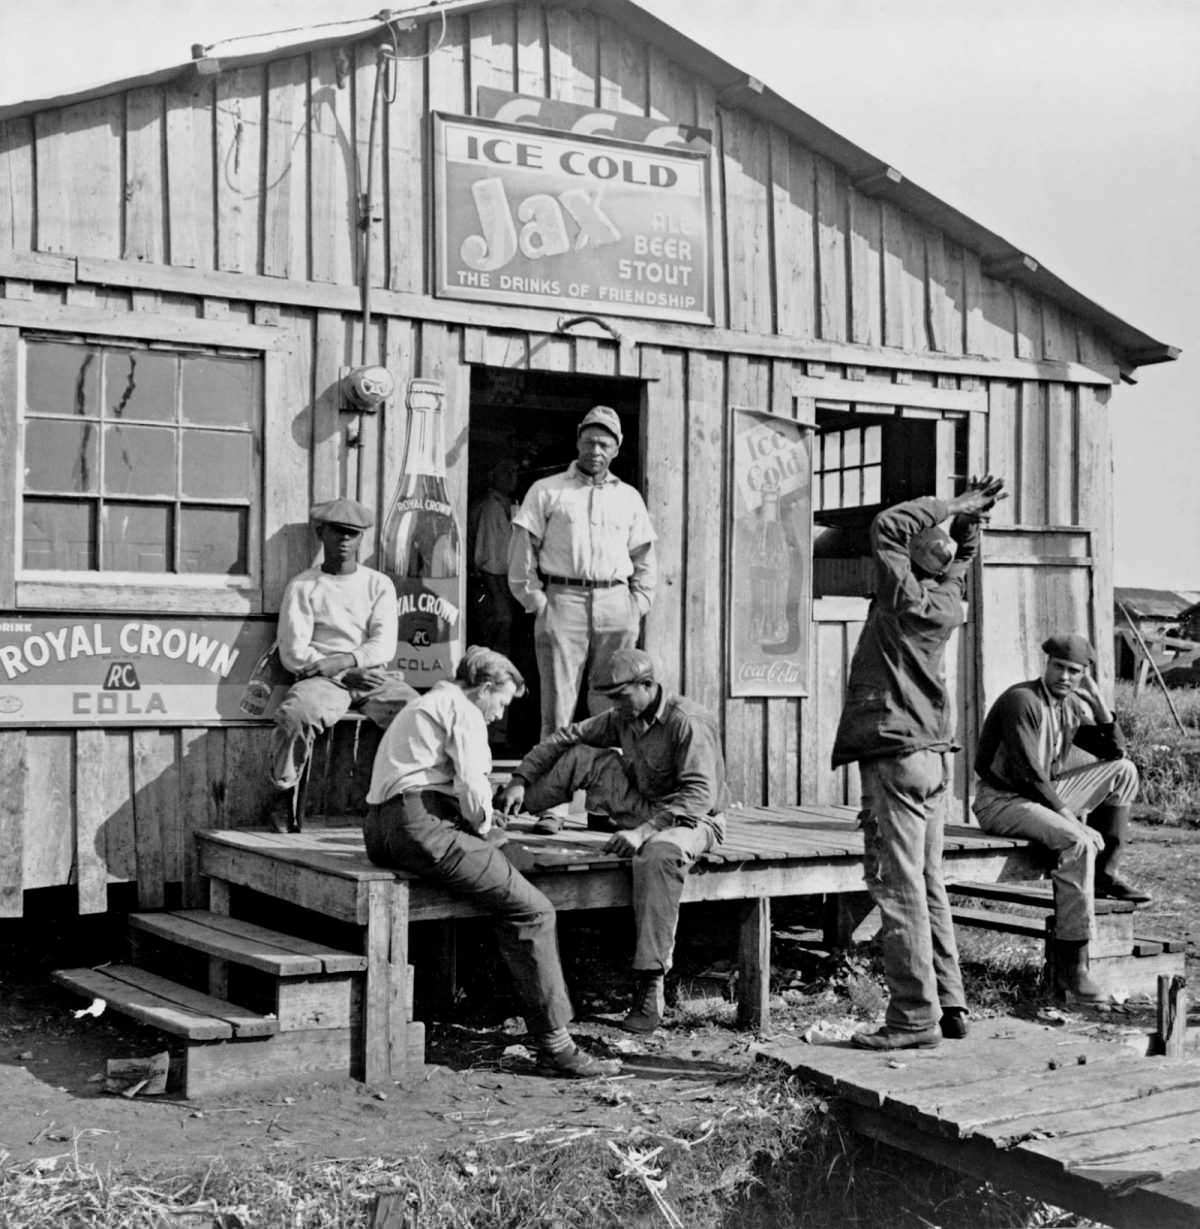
(1112, 822)
(954, 1023)
(887, 1038)
(649, 1003)
(280, 813)
(575, 1064)
(1071, 970)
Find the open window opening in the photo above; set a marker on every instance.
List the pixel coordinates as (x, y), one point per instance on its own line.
(863, 463)
(522, 428)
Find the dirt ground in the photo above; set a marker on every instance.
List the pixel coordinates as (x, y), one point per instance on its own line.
(479, 1084)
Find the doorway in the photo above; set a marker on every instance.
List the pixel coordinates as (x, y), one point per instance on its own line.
(524, 422)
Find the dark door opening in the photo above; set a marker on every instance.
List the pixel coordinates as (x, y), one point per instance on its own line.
(522, 428)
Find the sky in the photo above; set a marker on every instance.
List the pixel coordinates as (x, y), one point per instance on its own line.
(1069, 127)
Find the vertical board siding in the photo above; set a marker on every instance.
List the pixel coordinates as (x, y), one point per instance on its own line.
(12, 822)
(1030, 477)
(406, 159)
(145, 189)
(1095, 468)
(16, 184)
(622, 73)
(79, 186)
(49, 807)
(665, 450)
(864, 224)
(532, 43)
(831, 252)
(239, 134)
(332, 185)
(191, 174)
(285, 192)
(574, 58)
(793, 229)
(369, 162)
(747, 222)
(493, 35)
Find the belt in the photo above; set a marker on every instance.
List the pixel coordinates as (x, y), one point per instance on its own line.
(572, 583)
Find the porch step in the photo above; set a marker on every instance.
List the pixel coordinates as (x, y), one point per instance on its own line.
(166, 1005)
(1034, 895)
(997, 919)
(255, 947)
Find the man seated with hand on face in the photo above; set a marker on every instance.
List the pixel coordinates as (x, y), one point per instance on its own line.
(653, 764)
(430, 812)
(1081, 814)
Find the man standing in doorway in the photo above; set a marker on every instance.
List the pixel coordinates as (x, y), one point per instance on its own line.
(1081, 814)
(489, 533)
(897, 724)
(652, 763)
(337, 635)
(582, 561)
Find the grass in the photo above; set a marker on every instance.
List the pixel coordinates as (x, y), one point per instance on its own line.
(1168, 760)
(772, 1156)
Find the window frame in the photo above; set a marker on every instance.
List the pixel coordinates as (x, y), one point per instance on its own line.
(182, 593)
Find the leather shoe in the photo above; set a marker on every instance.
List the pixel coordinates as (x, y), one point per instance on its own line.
(575, 1064)
(1113, 888)
(886, 1038)
(280, 814)
(954, 1023)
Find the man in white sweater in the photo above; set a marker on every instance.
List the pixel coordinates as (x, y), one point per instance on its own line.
(337, 634)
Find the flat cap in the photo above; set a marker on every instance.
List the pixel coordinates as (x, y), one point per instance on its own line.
(1069, 646)
(348, 512)
(602, 416)
(625, 666)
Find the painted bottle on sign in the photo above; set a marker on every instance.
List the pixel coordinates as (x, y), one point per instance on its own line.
(420, 547)
(269, 673)
(769, 573)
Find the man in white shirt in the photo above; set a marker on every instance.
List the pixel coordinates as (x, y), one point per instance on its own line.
(583, 562)
(430, 811)
(337, 633)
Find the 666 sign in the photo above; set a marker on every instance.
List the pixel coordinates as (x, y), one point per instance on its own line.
(548, 219)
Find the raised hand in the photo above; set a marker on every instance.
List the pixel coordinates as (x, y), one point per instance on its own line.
(980, 497)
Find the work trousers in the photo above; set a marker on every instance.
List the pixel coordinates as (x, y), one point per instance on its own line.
(902, 862)
(576, 633)
(316, 704)
(1082, 790)
(423, 832)
(660, 866)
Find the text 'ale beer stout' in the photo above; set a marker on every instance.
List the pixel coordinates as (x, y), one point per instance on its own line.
(419, 549)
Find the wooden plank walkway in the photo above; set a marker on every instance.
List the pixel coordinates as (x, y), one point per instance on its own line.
(1085, 1124)
(767, 853)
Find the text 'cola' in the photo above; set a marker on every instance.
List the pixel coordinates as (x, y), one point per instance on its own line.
(420, 547)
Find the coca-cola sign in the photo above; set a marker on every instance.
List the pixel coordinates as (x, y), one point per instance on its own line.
(549, 219)
(769, 556)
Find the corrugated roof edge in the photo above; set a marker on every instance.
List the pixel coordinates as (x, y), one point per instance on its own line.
(736, 88)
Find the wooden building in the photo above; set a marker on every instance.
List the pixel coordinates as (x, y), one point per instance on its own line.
(236, 232)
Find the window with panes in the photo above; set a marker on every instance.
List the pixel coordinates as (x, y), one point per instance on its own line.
(140, 458)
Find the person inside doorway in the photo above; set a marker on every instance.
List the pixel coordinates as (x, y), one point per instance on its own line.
(582, 561)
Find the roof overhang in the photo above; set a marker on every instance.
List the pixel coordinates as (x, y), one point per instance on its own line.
(869, 174)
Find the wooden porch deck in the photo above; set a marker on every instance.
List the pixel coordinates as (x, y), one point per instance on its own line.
(768, 853)
(1084, 1124)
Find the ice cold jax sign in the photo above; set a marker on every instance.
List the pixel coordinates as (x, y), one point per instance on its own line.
(571, 221)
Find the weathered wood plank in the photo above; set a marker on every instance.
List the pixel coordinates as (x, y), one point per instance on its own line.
(704, 616)
(1033, 463)
(333, 191)
(191, 227)
(16, 185)
(406, 159)
(255, 949)
(973, 325)
(999, 319)
(623, 82)
(49, 806)
(10, 458)
(865, 243)
(895, 294)
(285, 192)
(239, 136)
(1096, 510)
(13, 770)
(831, 252)
(370, 98)
(1029, 324)
(493, 47)
(573, 55)
(197, 809)
(156, 813)
(145, 191)
(91, 812)
(328, 446)
(1002, 446)
(532, 43)
(664, 452)
(448, 77)
(749, 273)
(1062, 461)
(79, 188)
(754, 963)
(793, 212)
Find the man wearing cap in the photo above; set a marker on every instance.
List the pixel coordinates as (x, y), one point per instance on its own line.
(897, 724)
(337, 633)
(652, 763)
(582, 561)
(1082, 813)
